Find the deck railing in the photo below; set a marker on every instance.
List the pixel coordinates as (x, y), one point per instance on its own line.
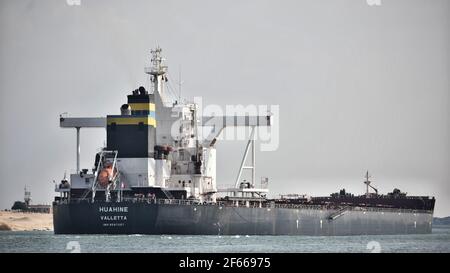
(266, 205)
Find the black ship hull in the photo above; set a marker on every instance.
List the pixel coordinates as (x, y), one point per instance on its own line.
(196, 219)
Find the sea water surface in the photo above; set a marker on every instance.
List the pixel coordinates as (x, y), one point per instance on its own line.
(46, 241)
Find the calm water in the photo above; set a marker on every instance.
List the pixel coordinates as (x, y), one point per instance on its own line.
(438, 241)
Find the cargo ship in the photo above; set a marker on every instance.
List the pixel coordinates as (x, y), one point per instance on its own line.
(156, 175)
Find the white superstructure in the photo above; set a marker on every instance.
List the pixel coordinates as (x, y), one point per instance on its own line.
(156, 144)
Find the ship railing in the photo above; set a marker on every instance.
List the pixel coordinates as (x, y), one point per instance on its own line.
(392, 210)
(252, 205)
(162, 201)
(349, 208)
(296, 206)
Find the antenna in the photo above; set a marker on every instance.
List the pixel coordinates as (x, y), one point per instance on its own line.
(158, 71)
(180, 83)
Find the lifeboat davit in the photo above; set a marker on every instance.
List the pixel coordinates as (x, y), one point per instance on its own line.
(106, 175)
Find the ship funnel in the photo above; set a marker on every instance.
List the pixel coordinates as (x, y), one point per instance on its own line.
(125, 110)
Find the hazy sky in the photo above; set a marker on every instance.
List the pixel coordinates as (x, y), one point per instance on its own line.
(359, 87)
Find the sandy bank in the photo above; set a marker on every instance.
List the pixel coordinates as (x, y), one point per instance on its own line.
(19, 221)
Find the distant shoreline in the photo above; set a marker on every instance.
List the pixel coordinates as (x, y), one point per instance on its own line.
(441, 221)
(26, 221)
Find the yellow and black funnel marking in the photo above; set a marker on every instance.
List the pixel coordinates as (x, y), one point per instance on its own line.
(132, 120)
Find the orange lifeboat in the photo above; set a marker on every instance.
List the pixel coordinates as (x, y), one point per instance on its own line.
(106, 175)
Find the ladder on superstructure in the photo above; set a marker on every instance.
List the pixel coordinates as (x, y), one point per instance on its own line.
(167, 193)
